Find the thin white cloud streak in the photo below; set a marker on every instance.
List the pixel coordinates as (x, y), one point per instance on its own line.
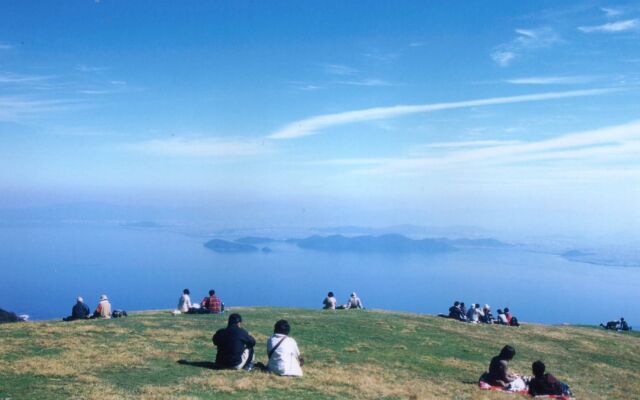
(611, 12)
(11, 78)
(525, 41)
(550, 80)
(4, 46)
(313, 125)
(471, 143)
(367, 82)
(608, 144)
(612, 27)
(200, 147)
(338, 69)
(18, 108)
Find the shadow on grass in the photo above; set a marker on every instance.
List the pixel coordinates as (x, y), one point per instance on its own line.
(201, 364)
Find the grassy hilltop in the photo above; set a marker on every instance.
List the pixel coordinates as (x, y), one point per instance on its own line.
(349, 354)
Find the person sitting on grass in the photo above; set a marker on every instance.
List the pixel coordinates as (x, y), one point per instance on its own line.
(502, 318)
(546, 384)
(184, 302)
(283, 352)
(624, 326)
(79, 311)
(499, 371)
(211, 304)
(486, 316)
(463, 310)
(507, 313)
(354, 302)
(234, 345)
(455, 312)
(329, 303)
(472, 314)
(104, 308)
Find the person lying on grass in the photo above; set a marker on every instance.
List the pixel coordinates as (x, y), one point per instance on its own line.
(283, 352)
(235, 346)
(546, 384)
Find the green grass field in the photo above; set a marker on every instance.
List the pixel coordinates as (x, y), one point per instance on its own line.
(349, 354)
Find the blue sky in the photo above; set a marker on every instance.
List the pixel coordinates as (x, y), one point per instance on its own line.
(506, 115)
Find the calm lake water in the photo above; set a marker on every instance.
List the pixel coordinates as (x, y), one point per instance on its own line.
(44, 268)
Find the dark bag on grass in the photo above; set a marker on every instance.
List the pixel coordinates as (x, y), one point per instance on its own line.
(118, 314)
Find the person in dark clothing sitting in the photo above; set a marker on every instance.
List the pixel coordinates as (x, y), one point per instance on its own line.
(235, 346)
(624, 326)
(456, 313)
(546, 384)
(499, 368)
(79, 311)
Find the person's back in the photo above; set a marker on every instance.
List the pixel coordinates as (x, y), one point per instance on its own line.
(184, 303)
(104, 308)
(454, 311)
(283, 352)
(507, 313)
(80, 310)
(329, 303)
(502, 318)
(212, 304)
(232, 343)
(472, 316)
(354, 302)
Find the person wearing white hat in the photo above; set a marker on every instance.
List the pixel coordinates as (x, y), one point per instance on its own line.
(79, 311)
(104, 308)
(354, 302)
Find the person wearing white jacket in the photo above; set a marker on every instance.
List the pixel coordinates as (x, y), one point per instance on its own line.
(283, 352)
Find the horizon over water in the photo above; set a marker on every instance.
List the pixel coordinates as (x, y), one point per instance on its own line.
(47, 266)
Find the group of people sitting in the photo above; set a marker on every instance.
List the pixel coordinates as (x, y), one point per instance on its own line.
(621, 325)
(476, 314)
(210, 304)
(353, 303)
(235, 349)
(82, 311)
(539, 384)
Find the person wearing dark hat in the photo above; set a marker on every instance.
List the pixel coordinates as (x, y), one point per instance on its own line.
(235, 346)
(282, 351)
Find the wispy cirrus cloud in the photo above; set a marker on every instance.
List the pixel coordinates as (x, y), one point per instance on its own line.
(16, 108)
(367, 82)
(313, 125)
(89, 68)
(339, 69)
(4, 46)
(618, 143)
(613, 27)
(551, 80)
(611, 12)
(13, 78)
(526, 40)
(201, 147)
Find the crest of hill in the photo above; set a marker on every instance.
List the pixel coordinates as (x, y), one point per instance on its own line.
(349, 354)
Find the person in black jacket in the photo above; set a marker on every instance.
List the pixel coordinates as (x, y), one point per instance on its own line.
(235, 345)
(79, 311)
(546, 384)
